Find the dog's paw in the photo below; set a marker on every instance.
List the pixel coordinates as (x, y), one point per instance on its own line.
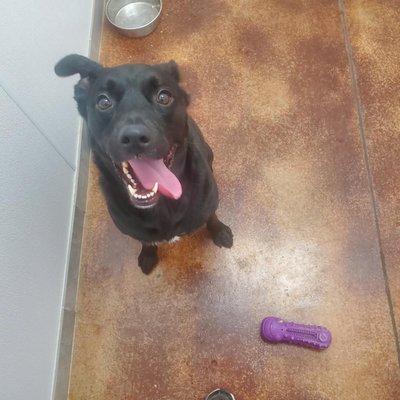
(147, 261)
(223, 237)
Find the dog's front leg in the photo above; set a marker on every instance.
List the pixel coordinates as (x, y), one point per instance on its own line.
(148, 258)
(221, 234)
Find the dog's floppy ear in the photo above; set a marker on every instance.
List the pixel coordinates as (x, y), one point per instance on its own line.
(76, 64)
(87, 69)
(172, 68)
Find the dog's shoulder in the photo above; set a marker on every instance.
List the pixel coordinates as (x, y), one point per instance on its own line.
(198, 142)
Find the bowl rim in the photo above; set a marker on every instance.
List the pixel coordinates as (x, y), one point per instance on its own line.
(136, 27)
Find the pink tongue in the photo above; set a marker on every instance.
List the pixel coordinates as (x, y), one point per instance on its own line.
(150, 171)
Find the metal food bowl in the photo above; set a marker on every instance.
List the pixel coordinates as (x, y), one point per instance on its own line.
(220, 394)
(134, 18)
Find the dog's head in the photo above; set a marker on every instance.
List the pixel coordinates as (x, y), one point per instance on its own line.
(136, 116)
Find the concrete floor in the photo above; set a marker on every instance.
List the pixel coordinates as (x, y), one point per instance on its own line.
(301, 106)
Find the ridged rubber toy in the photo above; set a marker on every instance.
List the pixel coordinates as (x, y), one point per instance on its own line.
(276, 330)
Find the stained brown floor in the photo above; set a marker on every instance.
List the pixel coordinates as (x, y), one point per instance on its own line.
(300, 102)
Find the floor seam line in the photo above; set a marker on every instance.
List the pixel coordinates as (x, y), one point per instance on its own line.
(361, 126)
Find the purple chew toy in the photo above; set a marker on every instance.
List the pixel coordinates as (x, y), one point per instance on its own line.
(276, 330)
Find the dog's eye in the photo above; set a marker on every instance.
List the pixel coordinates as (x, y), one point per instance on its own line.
(104, 102)
(164, 97)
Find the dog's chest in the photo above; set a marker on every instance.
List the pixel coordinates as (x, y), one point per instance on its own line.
(173, 240)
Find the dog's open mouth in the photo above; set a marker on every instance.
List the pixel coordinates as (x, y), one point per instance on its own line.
(147, 178)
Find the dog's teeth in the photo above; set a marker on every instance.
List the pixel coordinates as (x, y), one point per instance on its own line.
(155, 188)
(129, 176)
(132, 191)
(137, 195)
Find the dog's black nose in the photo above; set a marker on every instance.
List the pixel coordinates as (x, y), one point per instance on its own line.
(135, 138)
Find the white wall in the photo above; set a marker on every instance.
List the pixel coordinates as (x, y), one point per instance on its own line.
(39, 130)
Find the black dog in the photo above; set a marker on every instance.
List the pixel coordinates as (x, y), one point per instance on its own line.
(156, 168)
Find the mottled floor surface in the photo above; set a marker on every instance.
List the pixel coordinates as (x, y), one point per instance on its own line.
(300, 101)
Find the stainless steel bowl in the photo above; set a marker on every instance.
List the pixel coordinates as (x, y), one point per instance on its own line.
(135, 18)
(220, 394)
